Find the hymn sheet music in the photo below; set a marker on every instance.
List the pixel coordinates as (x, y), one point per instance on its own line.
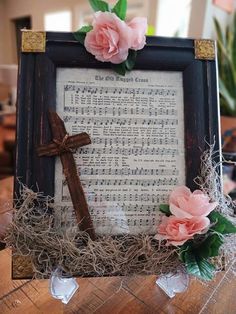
(136, 124)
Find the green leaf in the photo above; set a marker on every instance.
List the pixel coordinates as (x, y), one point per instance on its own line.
(99, 5)
(119, 68)
(80, 37)
(228, 76)
(222, 224)
(210, 246)
(120, 9)
(151, 30)
(219, 32)
(81, 33)
(233, 45)
(196, 264)
(225, 93)
(85, 29)
(226, 44)
(184, 249)
(130, 62)
(165, 209)
(199, 267)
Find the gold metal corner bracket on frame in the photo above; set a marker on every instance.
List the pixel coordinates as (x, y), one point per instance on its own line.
(204, 49)
(33, 41)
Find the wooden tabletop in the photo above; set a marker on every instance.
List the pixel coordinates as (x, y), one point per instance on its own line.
(6, 190)
(114, 295)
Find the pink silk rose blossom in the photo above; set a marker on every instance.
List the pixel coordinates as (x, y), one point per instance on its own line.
(110, 38)
(179, 230)
(185, 204)
(139, 29)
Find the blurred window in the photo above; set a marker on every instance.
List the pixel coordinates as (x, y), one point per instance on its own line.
(173, 18)
(58, 21)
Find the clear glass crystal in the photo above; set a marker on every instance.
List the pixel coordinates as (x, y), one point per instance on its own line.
(62, 288)
(173, 283)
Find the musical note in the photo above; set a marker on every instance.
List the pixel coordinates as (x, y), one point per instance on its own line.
(103, 121)
(131, 182)
(118, 111)
(127, 172)
(127, 151)
(124, 141)
(82, 89)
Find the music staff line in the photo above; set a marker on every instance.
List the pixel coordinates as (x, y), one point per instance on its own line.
(128, 171)
(119, 90)
(119, 121)
(130, 221)
(119, 111)
(126, 208)
(131, 140)
(129, 197)
(128, 151)
(129, 182)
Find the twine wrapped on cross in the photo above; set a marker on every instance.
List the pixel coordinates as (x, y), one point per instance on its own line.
(62, 145)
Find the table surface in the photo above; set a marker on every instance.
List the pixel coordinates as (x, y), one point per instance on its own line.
(136, 295)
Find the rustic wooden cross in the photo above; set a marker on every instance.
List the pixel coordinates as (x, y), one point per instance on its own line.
(64, 145)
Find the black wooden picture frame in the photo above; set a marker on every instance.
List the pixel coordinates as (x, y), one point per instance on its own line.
(37, 94)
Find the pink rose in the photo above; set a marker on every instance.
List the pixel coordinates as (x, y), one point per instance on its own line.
(178, 230)
(139, 29)
(110, 38)
(184, 204)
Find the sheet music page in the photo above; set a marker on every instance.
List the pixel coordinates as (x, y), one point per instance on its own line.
(136, 124)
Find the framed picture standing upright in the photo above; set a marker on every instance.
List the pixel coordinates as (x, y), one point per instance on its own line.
(148, 128)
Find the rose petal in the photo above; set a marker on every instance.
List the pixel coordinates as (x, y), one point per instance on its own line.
(139, 29)
(178, 212)
(182, 203)
(198, 205)
(178, 230)
(110, 38)
(179, 191)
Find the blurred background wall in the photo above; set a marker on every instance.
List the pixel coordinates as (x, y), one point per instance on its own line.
(54, 15)
(183, 18)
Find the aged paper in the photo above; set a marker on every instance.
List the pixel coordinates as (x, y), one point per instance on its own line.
(136, 124)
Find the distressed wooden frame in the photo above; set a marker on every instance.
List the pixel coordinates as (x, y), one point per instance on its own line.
(37, 94)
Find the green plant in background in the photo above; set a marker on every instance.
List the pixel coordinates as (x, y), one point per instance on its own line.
(226, 44)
